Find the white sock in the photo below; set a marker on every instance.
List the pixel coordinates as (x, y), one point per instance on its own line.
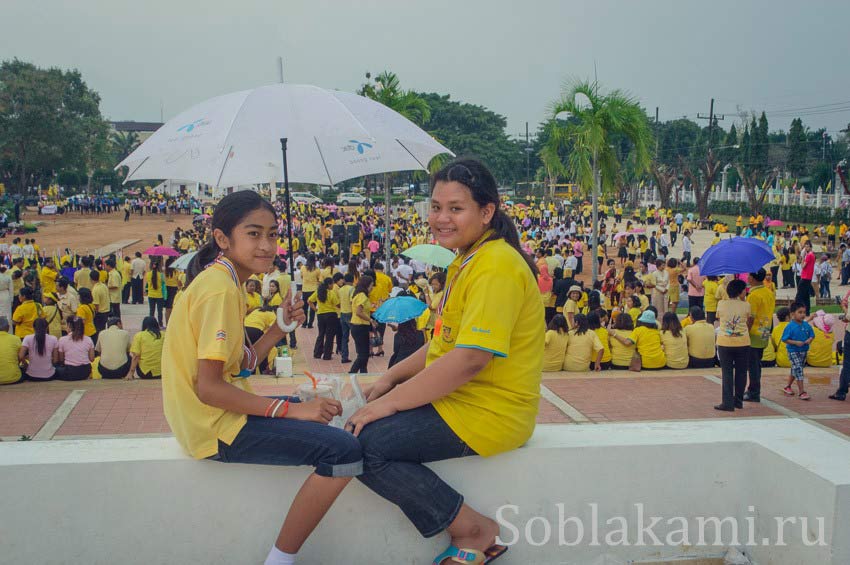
(278, 557)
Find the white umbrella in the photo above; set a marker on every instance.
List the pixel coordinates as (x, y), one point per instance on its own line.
(235, 139)
(182, 262)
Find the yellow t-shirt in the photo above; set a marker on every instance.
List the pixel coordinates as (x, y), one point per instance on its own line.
(149, 350)
(24, 316)
(769, 353)
(710, 300)
(762, 304)
(606, 346)
(260, 320)
(275, 300)
(496, 410)
(733, 315)
(206, 323)
(700, 340)
(621, 355)
(113, 283)
(675, 349)
(309, 280)
(782, 359)
(86, 312)
(360, 299)
(820, 350)
(648, 343)
(253, 300)
(581, 350)
(82, 278)
(48, 280)
(328, 306)
(344, 292)
(154, 292)
(554, 349)
(10, 372)
(100, 296)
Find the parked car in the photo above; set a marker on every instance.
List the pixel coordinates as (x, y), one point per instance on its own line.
(351, 199)
(305, 198)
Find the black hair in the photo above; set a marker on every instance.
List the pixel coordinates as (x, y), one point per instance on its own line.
(670, 323)
(338, 277)
(26, 293)
(112, 321)
(783, 313)
(581, 325)
(624, 322)
(77, 327)
(228, 213)
(94, 275)
(85, 296)
(735, 288)
(40, 327)
(155, 273)
(696, 313)
(484, 190)
(149, 324)
(593, 320)
(349, 277)
(558, 323)
(322, 290)
(363, 284)
(794, 306)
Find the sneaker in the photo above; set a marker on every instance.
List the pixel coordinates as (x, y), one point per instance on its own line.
(805, 396)
(751, 398)
(788, 392)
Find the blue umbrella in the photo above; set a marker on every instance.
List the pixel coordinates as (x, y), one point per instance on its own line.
(734, 256)
(399, 309)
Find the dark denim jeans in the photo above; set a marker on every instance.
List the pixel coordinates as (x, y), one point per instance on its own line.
(284, 441)
(754, 370)
(394, 450)
(345, 331)
(844, 379)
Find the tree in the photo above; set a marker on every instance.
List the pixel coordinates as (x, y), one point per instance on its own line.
(752, 162)
(589, 137)
(123, 143)
(49, 121)
(797, 149)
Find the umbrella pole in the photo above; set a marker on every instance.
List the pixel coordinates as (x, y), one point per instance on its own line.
(288, 213)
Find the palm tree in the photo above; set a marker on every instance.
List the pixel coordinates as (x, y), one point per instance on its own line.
(387, 90)
(588, 134)
(123, 143)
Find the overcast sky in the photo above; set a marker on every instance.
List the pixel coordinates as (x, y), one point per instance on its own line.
(786, 57)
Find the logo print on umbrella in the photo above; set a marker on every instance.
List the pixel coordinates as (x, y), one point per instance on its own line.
(189, 127)
(360, 145)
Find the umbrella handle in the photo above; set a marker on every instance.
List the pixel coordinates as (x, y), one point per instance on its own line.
(287, 328)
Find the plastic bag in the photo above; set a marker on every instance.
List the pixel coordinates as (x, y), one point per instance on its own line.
(346, 389)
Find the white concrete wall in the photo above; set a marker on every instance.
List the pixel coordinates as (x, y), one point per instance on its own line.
(142, 501)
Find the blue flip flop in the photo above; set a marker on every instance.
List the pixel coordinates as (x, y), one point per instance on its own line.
(471, 556)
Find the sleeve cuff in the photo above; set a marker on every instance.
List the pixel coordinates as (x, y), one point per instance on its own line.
(493, 351)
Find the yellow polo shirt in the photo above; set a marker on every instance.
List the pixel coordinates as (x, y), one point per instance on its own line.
(24, 316)
(648, 344)
(10, 372)
(360, 299)
(554, 350)
(700, 337)
(100, 296)
(762, 303)
(48, 280)
(781, 348)
(345, 292)
(206, 323)
(496, 410)
(86, 312)
(149, 350)
(82, 278)
(154, 291)
(113, 283)
(260, 320)
(253, 300)
(581, 350)
(328, 306)
(675, 349)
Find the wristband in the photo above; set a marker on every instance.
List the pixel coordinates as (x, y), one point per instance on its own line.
(276, 408)
(269, 409)
(285, 409)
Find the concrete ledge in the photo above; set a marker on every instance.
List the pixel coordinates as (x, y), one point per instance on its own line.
(143, 501)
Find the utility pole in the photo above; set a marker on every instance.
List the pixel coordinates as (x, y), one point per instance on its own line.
(280, 69)
(527, 157)
(712, 122)
(656, 133)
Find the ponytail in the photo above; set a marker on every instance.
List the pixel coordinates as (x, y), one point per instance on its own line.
(205, 255)
(581, 324)
(322, 290)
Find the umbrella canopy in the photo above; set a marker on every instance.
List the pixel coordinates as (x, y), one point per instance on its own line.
(161, 251)
(736, 255)
(201, 217)
(234, 139)
(182, 262)
(637, 230)
(430, 254)
(399, 309)
(775, 223)
(621, 234)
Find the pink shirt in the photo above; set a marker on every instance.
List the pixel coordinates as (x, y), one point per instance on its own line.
(695, 281)
(373, 246)
(808, 271)
(40, 366)
(76, 352)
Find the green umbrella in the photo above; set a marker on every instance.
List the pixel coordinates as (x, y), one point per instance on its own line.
(196, 210)
(430, 254)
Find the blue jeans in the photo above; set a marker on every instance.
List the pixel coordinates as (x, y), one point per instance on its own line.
(394, 450)
(345, 331)
(284, 441)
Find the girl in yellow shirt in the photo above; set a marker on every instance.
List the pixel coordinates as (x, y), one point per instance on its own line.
(154, 284)
(86, 311)
(325, 302)
(211, 408)
(309, 283)
(598, 322)
(555, 343)
(584, 349)
(361, 322)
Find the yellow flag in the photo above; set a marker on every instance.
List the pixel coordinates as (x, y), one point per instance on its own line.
(829, 186)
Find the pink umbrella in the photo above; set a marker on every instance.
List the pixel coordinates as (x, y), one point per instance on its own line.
(161, 251)
(638, 230)
(621, 234)
(775, 223)
(281, 251)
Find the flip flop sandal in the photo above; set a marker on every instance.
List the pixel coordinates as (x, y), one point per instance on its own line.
(471, 556)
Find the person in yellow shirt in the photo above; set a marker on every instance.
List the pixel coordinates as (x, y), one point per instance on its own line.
(555, 343)
(146, 351)
(762, 305)
(211, 409)
(25, 314)
(154, 286)
(647, 341)
(253, 298)
(477, 383)
(114, 285)
(325, 301)
(48, 276)
(345, 290)
(674, 342)
(10, 346)
(172, 287)
(126, 274)
(702, 350)
(781, 348)
(309, 283)
(86, 312)
(622, 351)
(711, 284)
(100, 298)
(82, 277)
(53, 314)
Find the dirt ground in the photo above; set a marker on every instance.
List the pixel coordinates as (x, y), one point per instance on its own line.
(85, 233)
